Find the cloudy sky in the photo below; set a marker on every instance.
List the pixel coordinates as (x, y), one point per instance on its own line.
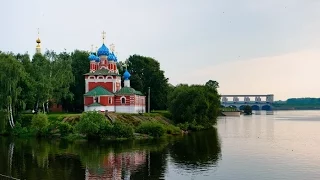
(248, 46)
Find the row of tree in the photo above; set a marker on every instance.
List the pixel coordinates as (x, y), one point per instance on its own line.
(33, 83)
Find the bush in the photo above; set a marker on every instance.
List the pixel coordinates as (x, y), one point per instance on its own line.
(183, 126)
(40, 123)
(122, 130)
(171, 129)
(154, 129)
(25, 119)
(18, 130)
(91, 123)
(65, 128)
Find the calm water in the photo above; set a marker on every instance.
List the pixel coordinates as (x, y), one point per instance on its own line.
(283, 146)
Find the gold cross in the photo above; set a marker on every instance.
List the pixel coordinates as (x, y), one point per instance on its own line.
(103, 36)
(91, 47)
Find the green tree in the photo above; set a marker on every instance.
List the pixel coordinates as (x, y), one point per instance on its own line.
(145, 72)
(11, 73)
(41, 73)
(195, 104)
(80, 65)
(61, 77)
(247, 110)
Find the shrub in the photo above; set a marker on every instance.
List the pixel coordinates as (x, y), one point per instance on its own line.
(65, 128)
(171, 129)
(91, 123)
(40, 123)
(122, 130)
(183, 126)
(154, 129)
(25, 119)
(18, 130)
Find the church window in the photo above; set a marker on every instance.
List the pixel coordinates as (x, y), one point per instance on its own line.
(123, 100)
(110, 100)
(96, 99)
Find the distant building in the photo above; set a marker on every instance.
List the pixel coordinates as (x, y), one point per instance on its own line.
(103, 91)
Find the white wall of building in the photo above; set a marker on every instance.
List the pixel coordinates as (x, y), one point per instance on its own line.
(99, 108)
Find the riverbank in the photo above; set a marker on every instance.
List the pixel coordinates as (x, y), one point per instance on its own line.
(114, 126)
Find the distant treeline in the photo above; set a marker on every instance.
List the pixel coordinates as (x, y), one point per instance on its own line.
(298, 103)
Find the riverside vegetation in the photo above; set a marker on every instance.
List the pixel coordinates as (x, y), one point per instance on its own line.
(34, 84)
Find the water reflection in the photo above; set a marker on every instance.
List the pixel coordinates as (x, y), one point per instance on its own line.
(140, 159)
(197, 150)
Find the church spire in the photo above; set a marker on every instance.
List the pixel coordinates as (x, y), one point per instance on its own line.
(38, 41)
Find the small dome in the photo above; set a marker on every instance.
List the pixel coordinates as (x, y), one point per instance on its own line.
(38, 40)
(126, 75)
(111, 57)
(92, 57)
(97, 59)
(103, 51)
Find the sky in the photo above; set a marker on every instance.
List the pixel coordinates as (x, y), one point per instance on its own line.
(248, 46)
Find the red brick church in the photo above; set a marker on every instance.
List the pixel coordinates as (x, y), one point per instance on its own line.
(103, 91)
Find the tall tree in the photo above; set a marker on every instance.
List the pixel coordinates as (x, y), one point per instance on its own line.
(11, 73)
(145, 72)
(80, 65)
(41, 73)
(61, 77)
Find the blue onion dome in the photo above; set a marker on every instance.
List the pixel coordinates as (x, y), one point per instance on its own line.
(97, 59)
(92, 57)
(126, 75)
(103, 51)
(111, 57)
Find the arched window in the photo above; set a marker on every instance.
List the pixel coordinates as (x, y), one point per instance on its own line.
(96, 99)
(123, 100)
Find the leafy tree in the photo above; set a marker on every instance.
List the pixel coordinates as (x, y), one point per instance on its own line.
(11, 73)
(61, 77)
(196, 104)
(247, 110)
(80, 66)
(41, 73)
(145, 72)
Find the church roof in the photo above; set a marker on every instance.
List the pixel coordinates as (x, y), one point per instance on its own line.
(94, 104)
(128, 91)
(102, 72)
(98, 91)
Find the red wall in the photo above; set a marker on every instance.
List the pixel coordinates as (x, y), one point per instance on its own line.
(88, 100)
(104, 100)
(118, 101)
(106, 85)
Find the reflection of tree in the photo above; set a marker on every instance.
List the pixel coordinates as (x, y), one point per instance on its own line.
(197, 149)
(57, 159)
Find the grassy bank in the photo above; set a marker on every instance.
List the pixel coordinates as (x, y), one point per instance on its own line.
(95, 125)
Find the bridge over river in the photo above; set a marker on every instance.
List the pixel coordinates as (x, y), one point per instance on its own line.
(257, 102)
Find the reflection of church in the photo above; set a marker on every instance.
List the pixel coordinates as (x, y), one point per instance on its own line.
(103, 91)
(117, 166)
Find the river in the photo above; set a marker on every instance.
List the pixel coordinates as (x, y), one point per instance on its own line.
(283, 146)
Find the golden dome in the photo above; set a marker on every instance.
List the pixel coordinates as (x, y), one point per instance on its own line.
(38, 40)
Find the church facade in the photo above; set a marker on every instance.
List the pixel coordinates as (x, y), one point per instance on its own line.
(103, 91)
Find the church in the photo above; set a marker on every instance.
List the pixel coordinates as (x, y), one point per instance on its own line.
(103, 91)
